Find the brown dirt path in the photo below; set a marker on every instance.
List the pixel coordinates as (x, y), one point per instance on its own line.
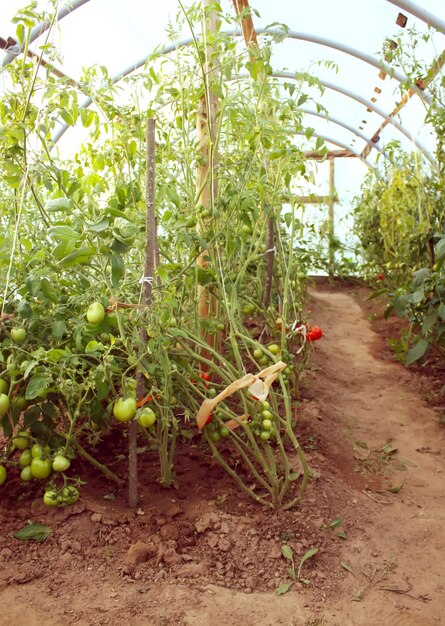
(403, 534)
(353, 404)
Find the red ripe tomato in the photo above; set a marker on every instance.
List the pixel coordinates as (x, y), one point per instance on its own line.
(380, 277)
(314, 334)
(204, 376)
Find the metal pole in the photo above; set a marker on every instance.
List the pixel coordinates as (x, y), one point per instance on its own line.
(41, 28)
(422, 14)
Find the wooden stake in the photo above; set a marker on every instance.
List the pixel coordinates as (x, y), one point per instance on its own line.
(147, 287)
(331, 233)
(206, 181)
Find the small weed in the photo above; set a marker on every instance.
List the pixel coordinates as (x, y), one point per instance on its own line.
(373, 460)
(288, 554)
(333, 525)
(220, 500)
(287, 535)
(370, 578)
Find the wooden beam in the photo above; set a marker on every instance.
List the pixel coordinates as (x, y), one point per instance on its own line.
(312, 199)
(331, 217)
(332, 154)
(422, 84)
(246, 22)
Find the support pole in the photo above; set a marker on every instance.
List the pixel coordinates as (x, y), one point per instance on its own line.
(331, 232)
(146, 298)
(206, 183)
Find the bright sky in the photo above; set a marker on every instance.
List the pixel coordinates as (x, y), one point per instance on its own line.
(116, 33)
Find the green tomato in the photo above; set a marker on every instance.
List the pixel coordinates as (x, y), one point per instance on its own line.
(4, 386)
(50, 498)
(26, 474)
(41, 468)
(224, 431)
(147, 417)
(264, 360)
(274, 348)
(264, 435)
(25, 458)
(266, 414)
(18, 335)
(2, 474)
(68, 495)
(211, 392)
(12, 369)
(266, 424)
(39, 452)
(4, 403)
(258, 353)
(125, 409)
(215, 436)
(287, 371)
(19, 402)
(60, 463)
(265, 404)
(172, 323)
(246, 229)
(95, 313)
(21, 440)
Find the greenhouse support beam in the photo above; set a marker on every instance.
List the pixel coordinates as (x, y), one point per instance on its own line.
(368, 105)
(41, 28)
(352, 130)
(289, 76)
(335, 45)
(421, 13)
(423, 83)
(345, 147)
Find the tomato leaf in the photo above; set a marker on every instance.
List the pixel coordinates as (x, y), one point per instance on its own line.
(37, 532)
(417, 351)
(58, 329)
(117, 269)
(37, 385)
(82, 255)
(58, 204)
(429, 320)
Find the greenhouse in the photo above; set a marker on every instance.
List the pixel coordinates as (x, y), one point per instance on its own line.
(222, 342)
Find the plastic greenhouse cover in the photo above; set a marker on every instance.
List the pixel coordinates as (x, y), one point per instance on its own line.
(117, 33)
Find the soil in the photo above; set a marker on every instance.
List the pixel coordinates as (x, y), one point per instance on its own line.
(204, 554)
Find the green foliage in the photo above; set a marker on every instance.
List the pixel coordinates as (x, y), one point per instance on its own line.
(74, 232)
